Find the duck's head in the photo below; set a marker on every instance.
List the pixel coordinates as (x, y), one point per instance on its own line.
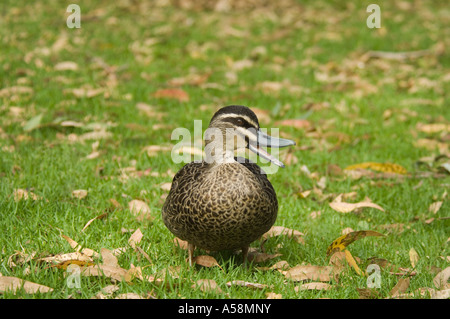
(234, 127)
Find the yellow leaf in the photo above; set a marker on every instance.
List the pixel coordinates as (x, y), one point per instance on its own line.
(380, 167)
(352, 262)
(413, 257)
(66, 263)
(342, 242)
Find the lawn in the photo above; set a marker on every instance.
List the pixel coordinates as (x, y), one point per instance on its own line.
(93, 109)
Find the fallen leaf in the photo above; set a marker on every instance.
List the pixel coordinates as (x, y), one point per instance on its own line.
(247, 284)
(297, 123)
(380, 167)
(342, 242)
(368, 293)
(441, 279)
(135, 238)
(79, 193)
(181, 243)
(33, 123)
(313, 286)
(259, 257)
(351, 261)
(75, 246)
(413, 257)
(310, 272)
(140, 209)
(281, 265)
(206, 261)
(400, 287)
(129, 295)
(434, 207)
(108, 258)
(20, 194)
(273, 295)
(66, 66)
(115, 273)
(67, 263)
(280, 230)
(60, 258)
(172, 93)
(14, 285)
(207, 285)
(344, 207)
(101, 216)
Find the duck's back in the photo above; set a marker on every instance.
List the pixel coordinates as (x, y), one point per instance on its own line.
(218, 207)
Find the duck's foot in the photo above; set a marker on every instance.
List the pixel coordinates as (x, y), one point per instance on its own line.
(191, 249)
(245, 256)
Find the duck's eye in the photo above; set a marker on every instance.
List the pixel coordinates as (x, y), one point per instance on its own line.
(240, 121)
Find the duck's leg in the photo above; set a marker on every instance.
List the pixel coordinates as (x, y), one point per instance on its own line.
(191, 249)
(245, 255)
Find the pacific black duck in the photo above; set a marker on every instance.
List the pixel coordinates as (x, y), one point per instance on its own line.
(225, 202)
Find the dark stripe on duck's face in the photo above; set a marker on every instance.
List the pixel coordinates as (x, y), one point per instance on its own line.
(239, 121)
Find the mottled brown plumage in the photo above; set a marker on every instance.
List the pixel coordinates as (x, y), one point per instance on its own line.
(226, 204)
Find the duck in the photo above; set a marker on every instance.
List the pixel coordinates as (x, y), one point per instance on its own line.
(223, 202)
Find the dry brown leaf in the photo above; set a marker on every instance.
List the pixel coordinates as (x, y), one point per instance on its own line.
(129, 295)
(172, 93)
(434, 207)
(79, 193)
(75, 246)
(206, 261)
(108, 258)
(101, 216)
(140, 209)
(297, 123)
(310, 272)
(207, 285)
(14, 285)
(273, 295)
(115, 273)
(441, 279)
(20, 194)
(66, 66)
(281, 265)
(181, 243)
(313, 286)
(413, 257)
(343, 207)
(135, 238)
(400, 287)
(259, 257)
(247, 284)
(280, 230)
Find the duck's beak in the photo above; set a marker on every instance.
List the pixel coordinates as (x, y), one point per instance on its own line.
(262, 139)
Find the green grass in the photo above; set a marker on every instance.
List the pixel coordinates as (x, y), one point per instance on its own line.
(300, 41)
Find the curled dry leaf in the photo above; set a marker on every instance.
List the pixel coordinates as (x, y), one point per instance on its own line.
(280, 230)
(101, 216)
(60, 258)
(342, 242)
(181, 243)
(343, 207)
(15, 284)
(273, 295)
(116, 273)
(108, 258)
